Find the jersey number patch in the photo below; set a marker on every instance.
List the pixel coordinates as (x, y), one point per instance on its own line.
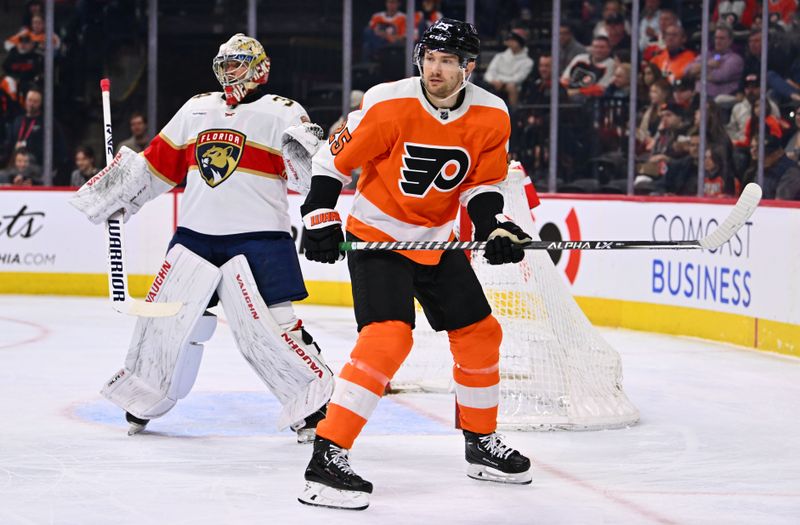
(426, 167)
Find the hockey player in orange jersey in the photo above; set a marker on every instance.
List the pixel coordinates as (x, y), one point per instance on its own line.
(427, 145)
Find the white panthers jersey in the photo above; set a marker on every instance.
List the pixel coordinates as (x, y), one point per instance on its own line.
(231, 160)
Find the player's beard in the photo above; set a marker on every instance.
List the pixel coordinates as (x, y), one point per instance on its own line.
(445, 88)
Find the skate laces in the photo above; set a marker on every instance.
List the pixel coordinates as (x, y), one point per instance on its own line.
(494, 445)
(338, 456)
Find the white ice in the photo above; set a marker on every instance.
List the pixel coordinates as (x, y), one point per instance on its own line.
(717, 442)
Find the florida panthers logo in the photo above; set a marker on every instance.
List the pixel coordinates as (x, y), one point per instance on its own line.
(426, 167)
(217, 153)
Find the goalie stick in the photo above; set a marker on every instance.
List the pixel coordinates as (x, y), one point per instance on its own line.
(743, 210)
(121, 301)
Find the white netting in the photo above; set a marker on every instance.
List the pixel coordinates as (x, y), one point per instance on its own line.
(557, 372)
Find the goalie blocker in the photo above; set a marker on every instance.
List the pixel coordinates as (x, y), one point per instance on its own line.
(165, 353)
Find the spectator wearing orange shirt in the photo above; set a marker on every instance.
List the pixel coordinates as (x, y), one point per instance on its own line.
(36, 33)
(385, 28)
(675, 58)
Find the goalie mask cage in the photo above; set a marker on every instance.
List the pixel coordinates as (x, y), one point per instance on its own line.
(556, 371)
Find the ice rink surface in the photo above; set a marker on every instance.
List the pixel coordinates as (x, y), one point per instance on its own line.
(717, 442)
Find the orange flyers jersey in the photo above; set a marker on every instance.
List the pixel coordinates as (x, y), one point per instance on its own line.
(231, 159)
(418, 163)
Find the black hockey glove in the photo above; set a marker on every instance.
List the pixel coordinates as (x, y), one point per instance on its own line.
(505, 244)
(322, 231)
(503, 238)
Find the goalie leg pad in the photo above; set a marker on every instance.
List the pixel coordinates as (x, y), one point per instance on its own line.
(291, 368)
(164, 354)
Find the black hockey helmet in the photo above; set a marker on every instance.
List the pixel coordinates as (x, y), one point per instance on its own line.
(450, 36)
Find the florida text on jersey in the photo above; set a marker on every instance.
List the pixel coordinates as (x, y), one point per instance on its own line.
(231, 158)
(419, 163)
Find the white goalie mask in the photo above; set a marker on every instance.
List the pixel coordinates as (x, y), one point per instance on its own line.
(240, 66)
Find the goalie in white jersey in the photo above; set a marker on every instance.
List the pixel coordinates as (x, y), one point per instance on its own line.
(233, 243)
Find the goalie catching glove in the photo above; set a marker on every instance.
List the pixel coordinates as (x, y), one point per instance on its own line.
(298, 144)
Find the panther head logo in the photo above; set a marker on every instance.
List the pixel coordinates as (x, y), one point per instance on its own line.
(218, 153)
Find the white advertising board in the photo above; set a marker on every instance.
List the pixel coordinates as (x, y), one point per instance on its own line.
(40, 232)
(757, 274)
(754, 274)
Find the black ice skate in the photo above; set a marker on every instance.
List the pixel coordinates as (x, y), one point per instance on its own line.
(307, 429)
(489, 459)
(137, 425)
(330, 482)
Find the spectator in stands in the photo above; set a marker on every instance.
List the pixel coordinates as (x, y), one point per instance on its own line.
(9, 109)
(618, 38)
(24, 65)
(570, 47)
(509, 69)
(85, 167)
(611, 9)
(32, 8)
(752, 58)
(786, 88)
(664, 148)
(680, 175)
(781, 174)
(385, 28)
(742, 110)
(648, 25)
(426, 17)
(139, 138)
(536, 90)
(675, 58)
(36, 33)
(717, 137)
(660, 93)
(736, 14)
(716, 181)
(22, 171)
(649, 74)
(666, 18)
(620, 86)
(724, 68)
(590, 73)
(27, 131)
(683, 92)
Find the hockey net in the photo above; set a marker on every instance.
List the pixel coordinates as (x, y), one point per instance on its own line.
(556, 371)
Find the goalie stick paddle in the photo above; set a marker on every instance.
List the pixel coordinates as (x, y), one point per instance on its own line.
(121, 301)
(742, 211)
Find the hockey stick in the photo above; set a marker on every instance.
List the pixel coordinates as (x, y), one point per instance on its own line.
(121, 301)
(743, 210)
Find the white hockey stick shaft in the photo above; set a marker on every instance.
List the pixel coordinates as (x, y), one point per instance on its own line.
(121, 300)
(742, 211)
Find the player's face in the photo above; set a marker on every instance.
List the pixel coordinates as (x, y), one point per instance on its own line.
(234, 69)
(442, 73)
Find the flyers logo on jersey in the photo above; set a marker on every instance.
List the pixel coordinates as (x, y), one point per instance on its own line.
(426, 167)
(218, 152)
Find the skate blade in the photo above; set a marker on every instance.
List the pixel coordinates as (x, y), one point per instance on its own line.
(319, 495)
(135, 428)
(306, 435)
(484, 473)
